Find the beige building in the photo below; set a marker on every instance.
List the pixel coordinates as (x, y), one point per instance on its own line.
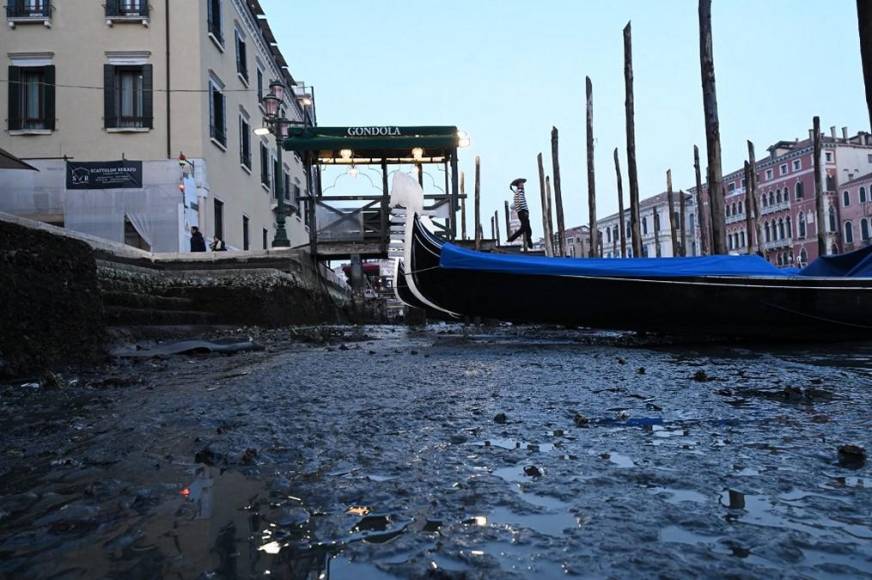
(104, 96)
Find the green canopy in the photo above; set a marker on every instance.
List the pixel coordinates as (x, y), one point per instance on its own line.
(381, 142)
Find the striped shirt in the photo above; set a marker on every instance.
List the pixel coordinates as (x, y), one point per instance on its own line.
(520, 200)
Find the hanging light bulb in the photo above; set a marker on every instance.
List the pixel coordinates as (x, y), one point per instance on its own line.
(417, 153)
(346, 154)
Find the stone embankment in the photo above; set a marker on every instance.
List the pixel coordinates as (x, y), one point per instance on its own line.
(62, 291)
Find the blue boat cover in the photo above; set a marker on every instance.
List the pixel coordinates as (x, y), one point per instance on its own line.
(856, 264)
(455, 257)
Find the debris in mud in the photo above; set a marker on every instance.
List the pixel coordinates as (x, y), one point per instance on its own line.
(852, 456)
(207, 456)
(580, 420)
(249, 456)
(640, 370)
(223, 345)
(737, 500)
(532, 471)
(701, 376)
(373, 523)
(791, 394)
(357, 510)
(50, 381)
(432, 526)
(500, 418)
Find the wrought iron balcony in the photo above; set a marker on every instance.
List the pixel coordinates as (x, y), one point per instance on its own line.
(24, 11)
(136, 9)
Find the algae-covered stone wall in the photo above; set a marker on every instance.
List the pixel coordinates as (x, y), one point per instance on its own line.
(51, 311)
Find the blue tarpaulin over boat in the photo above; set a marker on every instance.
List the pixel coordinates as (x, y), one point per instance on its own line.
(856, 264)
(455, 257)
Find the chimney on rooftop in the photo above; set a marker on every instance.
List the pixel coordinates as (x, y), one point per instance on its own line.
(833, 132)
(845, 133)
(811, 134)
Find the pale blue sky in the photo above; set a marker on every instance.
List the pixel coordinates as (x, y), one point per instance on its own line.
(506, 71)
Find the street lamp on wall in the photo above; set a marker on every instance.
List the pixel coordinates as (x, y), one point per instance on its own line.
(279, 126)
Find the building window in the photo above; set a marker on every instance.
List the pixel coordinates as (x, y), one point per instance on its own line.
(800, 221)
(731, 186)
(831, 183)
(771, 198)
(846, 199)
(768, 232)
(136, 8)
(777, 196)
(28, 8)
(799, 190)
(245, 240)
(828, 156)
(259, 85)
(742, 239)
(286, 185)
(241, 57)
(797, 164)
(644, 226)
(862, 194)
(265, 236)
(768, 174)
(864, 229)
(128, 96)
(781, 235)
(217, 115)
(849, 233)
(244, 142)
(214, 20)
(264, 166)
(31, 98)
(832, 220)
(219, 219)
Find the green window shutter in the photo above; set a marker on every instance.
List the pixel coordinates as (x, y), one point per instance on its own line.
(49, 96)
(109, 96)
(148, 96)
(14, 98)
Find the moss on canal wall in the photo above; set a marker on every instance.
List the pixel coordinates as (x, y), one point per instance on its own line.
(51, 311)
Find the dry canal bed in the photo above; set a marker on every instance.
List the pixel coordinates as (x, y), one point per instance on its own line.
(496, 453)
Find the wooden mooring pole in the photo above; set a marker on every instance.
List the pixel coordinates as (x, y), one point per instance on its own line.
(462, 206)
(508, 222)
(477, 203)
(751, 195)
(819, 189)
(497, 226)
(682, 209)
(702, 209)
(632, 175)
(591, 176)
(712, 128)
(545, 209)
(749, 216)
(621, 219)
(673, 227)
(558, 192)
(864, 21)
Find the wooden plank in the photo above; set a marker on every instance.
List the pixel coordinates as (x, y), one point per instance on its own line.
(673, 229)
(591, 177)
(632, 174)
(621, 221)
(558, 191)
(712, 128)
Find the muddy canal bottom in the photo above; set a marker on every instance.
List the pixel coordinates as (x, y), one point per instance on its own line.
(510, 453)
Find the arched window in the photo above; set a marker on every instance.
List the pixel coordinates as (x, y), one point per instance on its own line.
(780, 229)
(741, 210)
(849, 233)
(803, 257)
(741, 239)
(778, 195)
(800, 219)
(862, 195)
(771, 198)
(864, 229)
(609, 235)
(832, 220)
(768, 232)
(834, 250)
(787, 227)
(799, 190)
(644, 226)
(846, 199)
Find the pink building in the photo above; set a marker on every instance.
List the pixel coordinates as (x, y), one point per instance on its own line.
(855, 200)
(786, 226)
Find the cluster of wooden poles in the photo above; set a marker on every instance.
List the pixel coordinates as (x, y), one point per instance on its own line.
(709, 200)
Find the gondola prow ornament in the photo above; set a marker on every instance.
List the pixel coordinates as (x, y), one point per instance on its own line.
(520, 202)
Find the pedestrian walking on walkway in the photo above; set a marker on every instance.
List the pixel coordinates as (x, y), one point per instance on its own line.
(198, 244)
(517, 187)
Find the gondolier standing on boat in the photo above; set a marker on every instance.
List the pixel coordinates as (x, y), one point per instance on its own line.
(517, 187)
